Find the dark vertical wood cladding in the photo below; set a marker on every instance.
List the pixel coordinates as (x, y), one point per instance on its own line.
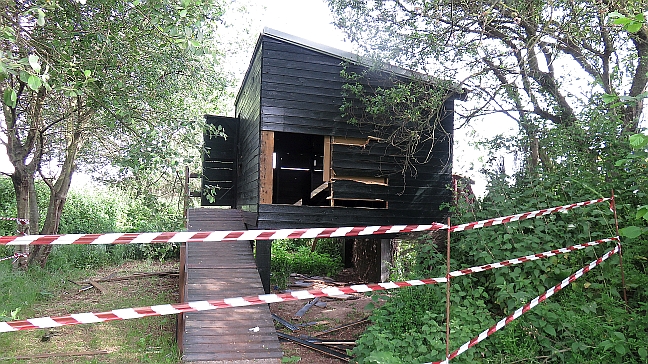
(293, 89)
(302, 91)
(248, 110)
(219, 162)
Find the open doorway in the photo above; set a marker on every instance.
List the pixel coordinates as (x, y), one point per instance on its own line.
(298, 170)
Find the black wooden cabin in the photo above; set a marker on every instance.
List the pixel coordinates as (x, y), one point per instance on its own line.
(293, 160)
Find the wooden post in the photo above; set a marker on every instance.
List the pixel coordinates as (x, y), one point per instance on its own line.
(266, 172)
(262, 257)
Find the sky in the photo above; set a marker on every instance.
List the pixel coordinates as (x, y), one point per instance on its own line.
(312, 20)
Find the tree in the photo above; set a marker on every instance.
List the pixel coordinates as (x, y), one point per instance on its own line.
(83, 79)
(544, 64)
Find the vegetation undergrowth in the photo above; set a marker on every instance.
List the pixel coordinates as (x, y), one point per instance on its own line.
(295, 256)
(50, 291)
(586, 322)
(39, 292)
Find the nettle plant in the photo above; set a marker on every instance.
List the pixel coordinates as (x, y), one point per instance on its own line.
(583, 323)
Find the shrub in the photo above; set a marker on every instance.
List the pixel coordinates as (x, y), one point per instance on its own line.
(295, 256)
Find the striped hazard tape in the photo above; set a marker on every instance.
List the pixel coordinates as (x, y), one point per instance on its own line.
(534, 302)
(528, 258)
(170, 309)
(15, 256)
(524, 216)
(217, 236)
(17, 220)
(214, 236)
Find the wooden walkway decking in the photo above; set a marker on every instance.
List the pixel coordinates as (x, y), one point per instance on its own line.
(224, 270)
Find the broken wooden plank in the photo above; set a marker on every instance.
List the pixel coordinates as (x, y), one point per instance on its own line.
(319, 348)
(133, 276)
(52, 355)
(285, 323)
(341, 327)
(306, 307)
(98, 286)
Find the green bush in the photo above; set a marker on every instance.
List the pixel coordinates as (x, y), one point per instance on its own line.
(295, 256)
(587, 322)
(97, 212)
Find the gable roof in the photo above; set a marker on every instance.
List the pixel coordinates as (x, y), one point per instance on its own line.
(338, 53)
(346, 57)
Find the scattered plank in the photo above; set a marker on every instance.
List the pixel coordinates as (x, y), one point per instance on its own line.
(340, 327)
(98, 286)
(319, 348)
(53, 355)
(285, 323)
(133, 276)
(300, 284)
(306, 307)
(344, 297)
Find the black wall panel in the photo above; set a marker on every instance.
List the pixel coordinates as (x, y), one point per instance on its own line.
(296, 89)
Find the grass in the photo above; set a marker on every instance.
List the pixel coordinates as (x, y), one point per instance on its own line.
(37, 293)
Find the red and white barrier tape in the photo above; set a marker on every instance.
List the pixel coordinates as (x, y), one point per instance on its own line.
(216, 236)
(213, 236)
(524, 216)
(15, 256)
(527, 258)
(17, 220)
(169, 309)
(534, 302)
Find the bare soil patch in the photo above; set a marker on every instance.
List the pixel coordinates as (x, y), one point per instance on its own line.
(335, 313)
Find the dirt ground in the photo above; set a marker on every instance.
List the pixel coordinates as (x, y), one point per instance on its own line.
(109, 346)
(336, 313)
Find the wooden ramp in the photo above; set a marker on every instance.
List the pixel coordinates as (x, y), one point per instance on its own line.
(217, 271)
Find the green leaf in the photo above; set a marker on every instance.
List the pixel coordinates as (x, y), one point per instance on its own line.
(10, 97)
(642, 212)
(607, 98)
(642, 353)
(633, 27)
(638, 140)
(622, 20)
(41, 17)
(33, 62)
(87, 73)
(34, 82)
(183, 13)
(620, 348)
(24, 76)
(550, 330)
(630, 232)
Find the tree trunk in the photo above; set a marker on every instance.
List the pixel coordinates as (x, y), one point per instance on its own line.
(22, 184)
(366, 259)
(58, 195)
